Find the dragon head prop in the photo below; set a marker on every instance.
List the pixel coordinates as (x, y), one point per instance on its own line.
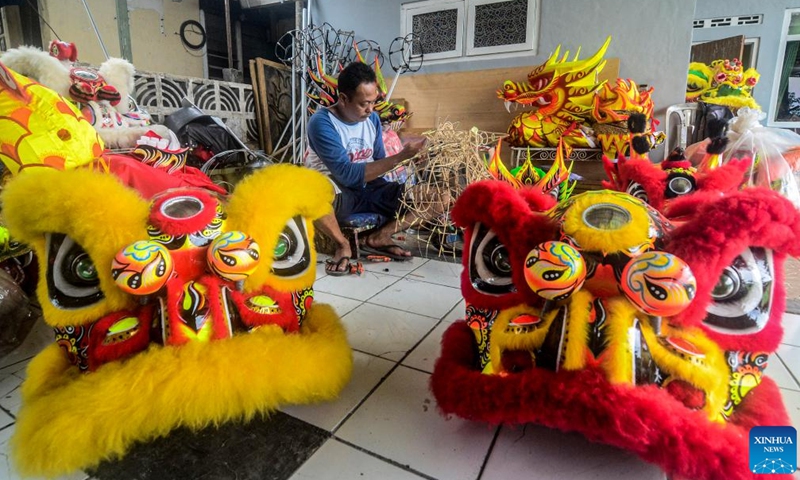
(724, 82)
(559, 85)
(600, 316)
(188, 309)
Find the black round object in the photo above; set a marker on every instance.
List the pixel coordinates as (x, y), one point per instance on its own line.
(197, 28)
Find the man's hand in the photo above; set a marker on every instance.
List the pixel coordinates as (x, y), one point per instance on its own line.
(412, 146)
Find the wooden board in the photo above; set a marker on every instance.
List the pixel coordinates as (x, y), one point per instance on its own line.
(257, 97)
(272, 86)
(730, 48)
(466, 97)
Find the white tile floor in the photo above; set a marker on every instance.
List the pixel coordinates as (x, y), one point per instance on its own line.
(385, 424)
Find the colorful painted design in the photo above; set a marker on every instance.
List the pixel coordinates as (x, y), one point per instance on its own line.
(570, 103)
(553, 270)
(40, 128)
(233, 256)
(658, 283)
(142, 268)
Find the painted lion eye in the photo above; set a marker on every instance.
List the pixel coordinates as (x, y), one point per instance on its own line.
(636, 190)
(489, 263)
(742, 297)
(72, 279)
(292, 253)
(84, 270)
(728, 284)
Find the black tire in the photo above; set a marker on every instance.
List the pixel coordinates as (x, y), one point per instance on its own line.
(196, 28)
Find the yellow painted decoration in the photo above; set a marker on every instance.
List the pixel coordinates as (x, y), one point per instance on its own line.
(233, 256)
(142, 268)
(38, 127)
(658, 283)
(554, 270)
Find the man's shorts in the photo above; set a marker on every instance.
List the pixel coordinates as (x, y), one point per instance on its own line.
(378, 196)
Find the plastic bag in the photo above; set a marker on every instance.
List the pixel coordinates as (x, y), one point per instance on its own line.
(766, 146)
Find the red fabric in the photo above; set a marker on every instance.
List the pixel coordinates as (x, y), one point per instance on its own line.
(645, 420)
(149, 181)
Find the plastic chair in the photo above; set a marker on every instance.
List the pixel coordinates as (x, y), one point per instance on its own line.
(683, 119)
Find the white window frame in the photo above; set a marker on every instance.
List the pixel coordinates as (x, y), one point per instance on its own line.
(756, 42)
(464, 42)
(776, 81)
(409, 10)
(530, 33)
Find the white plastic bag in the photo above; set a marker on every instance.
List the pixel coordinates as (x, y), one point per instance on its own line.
(766, 146)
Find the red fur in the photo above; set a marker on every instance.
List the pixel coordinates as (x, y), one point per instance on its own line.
(652, 178)
(184, 226)
(726, 178)
(645, 419)
(509, 214)
(714, 237)
(99, 353)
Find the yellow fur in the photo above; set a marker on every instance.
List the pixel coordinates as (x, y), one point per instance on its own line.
(635, 233)
(501, 341)
(577, 330)
(64, 426)
(96, 210)
(287, 190)
(618, 357)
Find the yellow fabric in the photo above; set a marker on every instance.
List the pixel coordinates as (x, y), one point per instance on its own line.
(71, 421)
(39, 127)
(287, 190)
(49, 201)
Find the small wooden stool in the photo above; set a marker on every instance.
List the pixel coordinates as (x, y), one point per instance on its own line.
(359, 223)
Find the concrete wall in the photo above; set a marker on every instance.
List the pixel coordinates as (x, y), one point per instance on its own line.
(769, 33)
(652, 38)
(155, 44)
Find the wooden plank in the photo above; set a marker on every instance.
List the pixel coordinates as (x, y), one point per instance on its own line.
(258, 100)
(466, 97)
(277, 87)
(726, 48)
(264, 105)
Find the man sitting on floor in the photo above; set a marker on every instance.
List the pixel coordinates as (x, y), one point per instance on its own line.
(345, 143)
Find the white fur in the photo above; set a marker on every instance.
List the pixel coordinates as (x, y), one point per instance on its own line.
(119, 72)
(39, 66)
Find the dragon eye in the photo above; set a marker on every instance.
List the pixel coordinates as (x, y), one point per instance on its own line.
(292, 254)
(636, 190)
(489, 263)
(679, 184)
(742, 297)
(72, 279)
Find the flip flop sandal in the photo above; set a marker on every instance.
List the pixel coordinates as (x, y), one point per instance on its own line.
(333, 268)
